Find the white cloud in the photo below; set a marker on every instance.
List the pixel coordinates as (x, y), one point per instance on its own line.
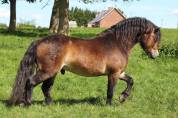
(175, 12)
(4, 13)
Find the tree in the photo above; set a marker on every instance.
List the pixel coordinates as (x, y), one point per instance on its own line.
(82, 17)
(12, 22)
(54, 18)
(60, 15)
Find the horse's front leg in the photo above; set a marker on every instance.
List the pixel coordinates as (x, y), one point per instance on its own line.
(128, 89)
(112, 80)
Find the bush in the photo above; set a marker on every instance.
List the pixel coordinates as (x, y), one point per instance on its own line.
(3, 25)
(169, 50)
(26, 24)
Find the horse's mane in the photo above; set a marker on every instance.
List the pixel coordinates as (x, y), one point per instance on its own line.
(130, 27)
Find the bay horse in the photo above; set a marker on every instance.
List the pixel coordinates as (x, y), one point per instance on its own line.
(106, 54)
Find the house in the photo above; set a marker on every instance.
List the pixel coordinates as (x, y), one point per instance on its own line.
(107, 18)
(72, 24)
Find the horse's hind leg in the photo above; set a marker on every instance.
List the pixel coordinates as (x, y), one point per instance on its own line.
(46, 88)
(128, 89)
(39, 77)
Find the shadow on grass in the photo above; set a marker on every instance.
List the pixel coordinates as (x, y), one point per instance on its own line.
(40, 32)
(26, 32)
(71, 101)
(3, 102)
(92, 100)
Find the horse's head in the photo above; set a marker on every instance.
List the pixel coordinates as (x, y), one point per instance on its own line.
(150, 42)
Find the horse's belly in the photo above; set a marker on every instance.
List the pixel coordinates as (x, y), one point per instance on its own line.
(86, 71)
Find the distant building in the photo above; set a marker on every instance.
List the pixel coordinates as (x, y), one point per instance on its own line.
(107, 18)
(72, 24)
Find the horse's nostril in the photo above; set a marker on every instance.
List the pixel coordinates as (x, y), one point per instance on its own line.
(154, 53)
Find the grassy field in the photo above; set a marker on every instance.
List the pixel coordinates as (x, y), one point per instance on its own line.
(155, 93)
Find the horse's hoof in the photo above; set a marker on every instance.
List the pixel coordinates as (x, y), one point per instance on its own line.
(22, 104)
(27, 103)
(123, 97)
(48, 101)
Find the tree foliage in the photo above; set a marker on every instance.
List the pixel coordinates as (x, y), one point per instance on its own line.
(92, 1)
(82, 17)
(7, 1)
(4, 1)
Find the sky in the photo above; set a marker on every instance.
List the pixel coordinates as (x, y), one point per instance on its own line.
(163, 13)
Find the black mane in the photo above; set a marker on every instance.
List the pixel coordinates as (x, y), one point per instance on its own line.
(131, 27)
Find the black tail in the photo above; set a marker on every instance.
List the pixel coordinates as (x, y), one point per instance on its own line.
(26, 69)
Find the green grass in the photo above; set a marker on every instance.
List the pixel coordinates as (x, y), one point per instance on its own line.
(155, 93)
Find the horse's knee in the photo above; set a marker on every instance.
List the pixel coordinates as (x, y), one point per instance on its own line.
(126, 78)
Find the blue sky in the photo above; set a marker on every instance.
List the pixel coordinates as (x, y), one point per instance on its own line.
(163, 13)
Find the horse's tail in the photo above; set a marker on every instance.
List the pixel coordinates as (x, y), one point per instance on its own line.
(26, 69)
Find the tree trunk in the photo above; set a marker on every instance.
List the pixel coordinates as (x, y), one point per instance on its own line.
(63, 27)
(54, 18)
(12, 23)
(60, 17)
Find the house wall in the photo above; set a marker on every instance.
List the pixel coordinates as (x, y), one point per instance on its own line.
(111, 19)
(72, 24)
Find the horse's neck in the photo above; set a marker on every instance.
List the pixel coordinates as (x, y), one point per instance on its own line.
(124, 44)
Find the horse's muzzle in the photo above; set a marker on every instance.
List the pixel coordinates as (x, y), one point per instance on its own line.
(154, 54)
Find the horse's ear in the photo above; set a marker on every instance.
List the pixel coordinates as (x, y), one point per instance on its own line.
(156, 29)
